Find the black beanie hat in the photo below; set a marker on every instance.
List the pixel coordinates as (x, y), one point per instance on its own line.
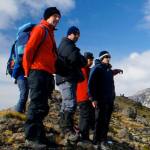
(50, 11)
(88, 55)
(103, 53)
(73, 30)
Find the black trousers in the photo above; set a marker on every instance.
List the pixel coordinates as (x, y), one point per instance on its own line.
(102, 119)
(86, 119)
(39, 82)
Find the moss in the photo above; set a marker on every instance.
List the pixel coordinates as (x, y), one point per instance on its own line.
(8, 132)
(146, 147)
(9, 140)
(12, 114)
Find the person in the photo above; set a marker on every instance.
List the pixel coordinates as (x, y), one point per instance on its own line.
(102, 94)
(67, 83)
(39, 66)
(86, 110)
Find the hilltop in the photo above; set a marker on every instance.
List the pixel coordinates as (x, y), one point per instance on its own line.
(129, 129)
(142, 96)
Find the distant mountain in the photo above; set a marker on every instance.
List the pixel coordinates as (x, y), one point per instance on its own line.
(142, 96)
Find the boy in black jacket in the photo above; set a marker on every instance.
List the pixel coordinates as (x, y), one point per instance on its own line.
(102, 93)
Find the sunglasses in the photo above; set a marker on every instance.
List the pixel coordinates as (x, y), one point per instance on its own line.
(107, 56)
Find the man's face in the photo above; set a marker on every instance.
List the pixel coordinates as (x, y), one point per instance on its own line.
(89, 62)
(75, 37)
(53, 20)
(106, 59)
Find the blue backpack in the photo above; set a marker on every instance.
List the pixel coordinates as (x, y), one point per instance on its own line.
(14, 63)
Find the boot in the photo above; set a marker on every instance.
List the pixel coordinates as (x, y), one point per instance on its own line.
(68, 117)
(62, 123)
(72, 136)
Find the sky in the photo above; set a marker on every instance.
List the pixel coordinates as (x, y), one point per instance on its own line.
(120, 27)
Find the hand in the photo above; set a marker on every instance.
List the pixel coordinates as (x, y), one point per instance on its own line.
(120, 71)
(15, 81)
(94, 104)
(116, 71)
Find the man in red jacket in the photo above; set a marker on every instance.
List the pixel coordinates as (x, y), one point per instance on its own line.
(86, 119)
(39, 67)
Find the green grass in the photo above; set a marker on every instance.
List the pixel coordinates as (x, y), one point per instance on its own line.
(124, 102)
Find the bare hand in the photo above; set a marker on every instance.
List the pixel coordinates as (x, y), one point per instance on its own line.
(94, 104)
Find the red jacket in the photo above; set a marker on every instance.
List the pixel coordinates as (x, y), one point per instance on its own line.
(45, 57)
(82, 87)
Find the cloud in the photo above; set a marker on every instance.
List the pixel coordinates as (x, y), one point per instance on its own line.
(13, 10)
(136, 73)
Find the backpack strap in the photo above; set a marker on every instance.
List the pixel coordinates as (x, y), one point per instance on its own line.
(11, 58)
(42, 41)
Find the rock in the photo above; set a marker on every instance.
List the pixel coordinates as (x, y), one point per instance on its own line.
(130, 112)
(124, 134)
(142, 120)
(85, 145)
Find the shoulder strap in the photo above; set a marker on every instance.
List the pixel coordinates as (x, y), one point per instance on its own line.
(42, 41)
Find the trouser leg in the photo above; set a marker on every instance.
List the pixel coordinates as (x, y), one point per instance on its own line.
(102, 120)
(24, 90)
(68, 106)
(84, 120)
(38, 107)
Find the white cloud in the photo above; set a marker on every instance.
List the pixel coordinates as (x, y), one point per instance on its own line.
(14, 10)
(136, 73)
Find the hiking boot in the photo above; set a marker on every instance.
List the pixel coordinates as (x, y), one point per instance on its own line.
(72, 136)
(96, 145)
(35, 145)
(85, 144)
(105, 145)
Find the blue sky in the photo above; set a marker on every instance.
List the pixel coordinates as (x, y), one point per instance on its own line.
(121, 27)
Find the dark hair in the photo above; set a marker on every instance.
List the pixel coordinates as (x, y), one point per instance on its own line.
(50, 11)
(73, 30)
(88, 55)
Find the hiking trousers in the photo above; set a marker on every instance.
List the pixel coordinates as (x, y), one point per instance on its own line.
(102, 119)
(23, 97)
(86, 118)
(39, 82)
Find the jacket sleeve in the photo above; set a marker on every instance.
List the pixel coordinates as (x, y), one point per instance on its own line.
(91, 84)
(32, 45)
(75, 58)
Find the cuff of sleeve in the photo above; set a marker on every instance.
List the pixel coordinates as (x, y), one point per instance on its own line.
(91, 99)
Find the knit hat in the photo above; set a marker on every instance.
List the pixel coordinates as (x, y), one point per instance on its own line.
(88, 55)
(102, 54)
(73, 30)
(50, 11)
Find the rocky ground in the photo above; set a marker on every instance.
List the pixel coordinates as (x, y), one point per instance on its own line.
(129, 128)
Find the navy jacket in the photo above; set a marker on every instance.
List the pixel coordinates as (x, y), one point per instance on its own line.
(101, 83)
(75, 61)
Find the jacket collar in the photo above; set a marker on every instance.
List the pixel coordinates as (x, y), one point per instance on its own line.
(98, 62)
(47, 25)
